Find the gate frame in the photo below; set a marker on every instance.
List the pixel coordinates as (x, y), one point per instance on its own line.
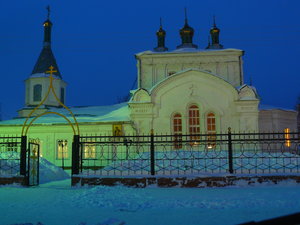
(29, 158)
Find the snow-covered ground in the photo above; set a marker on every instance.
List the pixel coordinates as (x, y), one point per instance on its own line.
(58, 203)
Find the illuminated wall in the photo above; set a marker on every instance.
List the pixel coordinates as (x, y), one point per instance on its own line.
(233, 108)
(155, 67)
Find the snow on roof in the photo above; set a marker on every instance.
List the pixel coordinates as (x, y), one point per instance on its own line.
(44, 75)
(239, 88)
(270, 107)
(111, 113)
(187, 50)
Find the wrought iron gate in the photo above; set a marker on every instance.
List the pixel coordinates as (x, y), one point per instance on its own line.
(33, 157)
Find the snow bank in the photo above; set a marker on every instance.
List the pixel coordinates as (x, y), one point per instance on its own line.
(10, 167)
(119, 198)
(128, 199)
(49, 172)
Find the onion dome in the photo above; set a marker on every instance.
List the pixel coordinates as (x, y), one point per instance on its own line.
(214, 33)
(186, 34)
(161, 35)
(47, 32)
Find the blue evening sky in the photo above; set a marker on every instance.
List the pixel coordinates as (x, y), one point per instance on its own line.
(94, 43)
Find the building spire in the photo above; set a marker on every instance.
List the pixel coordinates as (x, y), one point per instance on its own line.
(214, 33)
(161, 35)
(185, 16)
(214, 21)
(46, 58)
(48, 9)
(186, 34)
(47, 29)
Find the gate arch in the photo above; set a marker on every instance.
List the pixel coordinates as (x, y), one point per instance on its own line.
(25, 154)
(26, 126)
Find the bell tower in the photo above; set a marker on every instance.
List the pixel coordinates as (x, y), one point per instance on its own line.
(38, 83)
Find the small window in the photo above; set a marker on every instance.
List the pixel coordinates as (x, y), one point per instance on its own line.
(62, 95)
(177, 130)
(12, 147)
(287, 137)
(62, 149)
(89, 151)
(37, 92)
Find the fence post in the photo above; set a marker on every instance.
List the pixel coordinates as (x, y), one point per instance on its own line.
(230, 161)
(152, 157)
(23, 155)
(75, 155)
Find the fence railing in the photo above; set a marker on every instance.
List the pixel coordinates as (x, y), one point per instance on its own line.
(238, 153)
(10, 148)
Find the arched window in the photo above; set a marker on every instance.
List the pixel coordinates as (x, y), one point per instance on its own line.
(37, 92)
(211, 130)
(62, 95)
(177, 130)
(194, 123)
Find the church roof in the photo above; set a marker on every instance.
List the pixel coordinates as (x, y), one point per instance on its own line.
(188, 50)
(45, 60)
(83, 114)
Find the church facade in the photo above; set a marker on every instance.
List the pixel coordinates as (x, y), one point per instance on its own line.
(183, 91)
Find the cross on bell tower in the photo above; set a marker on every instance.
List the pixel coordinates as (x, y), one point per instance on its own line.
(51, 71)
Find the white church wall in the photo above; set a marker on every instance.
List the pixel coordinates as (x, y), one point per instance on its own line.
(49, 135)
(209, 93)
(154, 67)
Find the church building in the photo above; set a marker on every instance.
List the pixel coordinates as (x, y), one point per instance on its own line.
(188, 90)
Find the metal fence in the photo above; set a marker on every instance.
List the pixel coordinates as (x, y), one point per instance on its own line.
(238, 153)
(10, 148)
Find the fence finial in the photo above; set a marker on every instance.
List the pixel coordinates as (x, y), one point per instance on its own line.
(229, 129)
(152, 132)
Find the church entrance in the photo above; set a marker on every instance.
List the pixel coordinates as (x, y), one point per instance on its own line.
(29, 165)
(33, 161)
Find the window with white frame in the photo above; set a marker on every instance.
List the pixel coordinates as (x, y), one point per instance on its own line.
(62, 149)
